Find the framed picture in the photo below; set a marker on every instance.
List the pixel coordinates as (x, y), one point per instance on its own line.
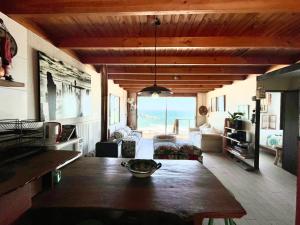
(213, 102)
(265, 102)
(65, 91)
(114, 109)
(272, 122)
(244, 109)
(221, 101)
(265, 122)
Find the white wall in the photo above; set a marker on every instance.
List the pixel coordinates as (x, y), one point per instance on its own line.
(239, 93)
(116, 90)
(13, 103)
(23, 103)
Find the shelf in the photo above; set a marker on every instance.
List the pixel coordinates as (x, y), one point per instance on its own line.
(229, 128)
(232, 139)
(236, 154)
(6, 83)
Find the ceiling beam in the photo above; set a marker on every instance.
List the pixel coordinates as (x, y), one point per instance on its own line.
(198, 60)
(229, 70)
(178, 78)
(174, 90)
(178, 42)
(172, 82)
(175, 86)
(145, 7)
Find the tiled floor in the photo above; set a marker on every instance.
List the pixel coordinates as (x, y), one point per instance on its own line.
(269, 196)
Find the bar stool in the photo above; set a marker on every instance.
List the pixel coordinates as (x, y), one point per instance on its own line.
(278, 156)
(226, 221)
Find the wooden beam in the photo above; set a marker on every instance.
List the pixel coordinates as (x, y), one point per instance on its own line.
(104, 104)
(173, 86)
(145, 7)
(171, 82)
(178, 42)
(198, 60)
(178, 78)
(175, 90)
(188, 70)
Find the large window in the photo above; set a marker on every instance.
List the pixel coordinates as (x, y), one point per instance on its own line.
(160, 115)
(114, 109)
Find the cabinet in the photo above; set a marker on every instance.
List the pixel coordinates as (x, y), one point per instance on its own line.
(109, 149)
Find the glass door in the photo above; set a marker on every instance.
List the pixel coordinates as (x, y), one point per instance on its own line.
(166, 115)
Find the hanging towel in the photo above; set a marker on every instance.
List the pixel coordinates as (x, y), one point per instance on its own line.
(6, 53)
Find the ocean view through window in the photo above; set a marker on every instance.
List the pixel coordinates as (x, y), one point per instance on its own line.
(158, 115)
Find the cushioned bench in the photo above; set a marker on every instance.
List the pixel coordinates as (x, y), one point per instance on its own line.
(170, 150)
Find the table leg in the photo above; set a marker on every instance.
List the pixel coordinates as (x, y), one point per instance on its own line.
(226, 221)
(276, 157)
(198, 220)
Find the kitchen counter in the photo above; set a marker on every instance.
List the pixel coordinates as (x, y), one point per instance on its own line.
(27, 177)
(31, 168)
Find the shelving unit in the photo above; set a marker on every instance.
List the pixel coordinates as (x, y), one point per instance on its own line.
(6, 83)
(228, 147)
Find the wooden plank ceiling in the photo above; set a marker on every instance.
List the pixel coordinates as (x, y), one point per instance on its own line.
(202, 45)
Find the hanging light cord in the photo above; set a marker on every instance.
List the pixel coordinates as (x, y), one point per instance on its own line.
(156, 23)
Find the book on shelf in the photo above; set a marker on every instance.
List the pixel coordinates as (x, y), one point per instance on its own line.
(68, 132)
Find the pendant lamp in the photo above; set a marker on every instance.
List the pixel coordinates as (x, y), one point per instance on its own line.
(155, 90)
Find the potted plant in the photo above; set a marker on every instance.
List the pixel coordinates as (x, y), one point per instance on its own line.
(234, 119)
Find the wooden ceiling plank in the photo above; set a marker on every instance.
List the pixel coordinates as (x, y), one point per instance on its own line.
(189, 70)
(172, 82)
(145, 7)
(177, 60)
(176, 86)
(78, 42)
(176, 90)
(178, 78)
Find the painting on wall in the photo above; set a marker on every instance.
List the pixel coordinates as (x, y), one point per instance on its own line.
(114, 109)
(65, 91)
(272, 122)
(221, 103)
(265, 122)
(264, 103)
(244, 109)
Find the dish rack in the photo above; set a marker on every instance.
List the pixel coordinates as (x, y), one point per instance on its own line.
(19, 138)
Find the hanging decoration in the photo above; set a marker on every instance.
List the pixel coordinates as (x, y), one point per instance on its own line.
(8, 49)
(155, 90)
(203, 110)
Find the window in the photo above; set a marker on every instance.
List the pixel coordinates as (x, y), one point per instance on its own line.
(114, 109)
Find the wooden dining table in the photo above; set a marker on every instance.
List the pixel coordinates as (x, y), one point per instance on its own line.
(185, 188)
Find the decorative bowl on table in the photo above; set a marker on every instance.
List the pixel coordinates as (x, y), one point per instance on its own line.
(141, 168)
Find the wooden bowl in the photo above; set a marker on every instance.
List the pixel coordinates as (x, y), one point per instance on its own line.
(141, 168)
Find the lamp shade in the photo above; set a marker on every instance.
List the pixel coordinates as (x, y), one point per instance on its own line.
(149, 91)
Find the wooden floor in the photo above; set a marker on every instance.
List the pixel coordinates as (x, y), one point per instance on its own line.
(269, 196)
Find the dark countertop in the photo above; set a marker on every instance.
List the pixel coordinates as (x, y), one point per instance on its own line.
(28, 169)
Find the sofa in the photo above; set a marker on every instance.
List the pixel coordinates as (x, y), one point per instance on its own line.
(207, 138)
(131, 140)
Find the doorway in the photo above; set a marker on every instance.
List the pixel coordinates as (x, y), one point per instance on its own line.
(271, 131)
(164, 114)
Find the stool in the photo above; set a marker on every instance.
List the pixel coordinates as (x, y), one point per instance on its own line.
(278, 156)
(227, 221)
